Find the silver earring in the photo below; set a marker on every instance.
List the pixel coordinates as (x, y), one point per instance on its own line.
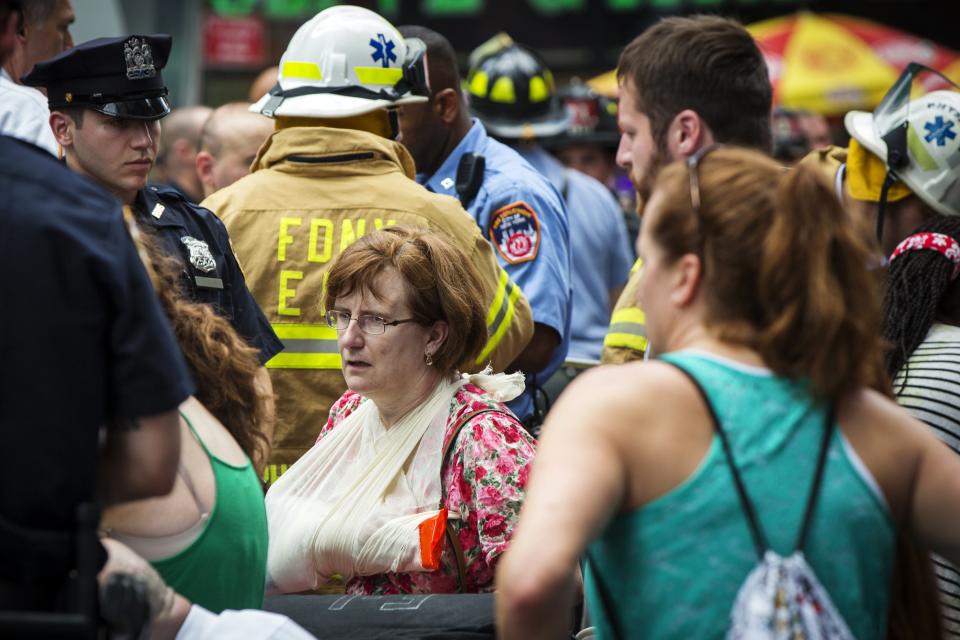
(429, 358)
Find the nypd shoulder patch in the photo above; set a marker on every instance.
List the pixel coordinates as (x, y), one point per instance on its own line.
(515, 232)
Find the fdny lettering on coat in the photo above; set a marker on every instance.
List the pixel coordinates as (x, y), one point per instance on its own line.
(304, 242)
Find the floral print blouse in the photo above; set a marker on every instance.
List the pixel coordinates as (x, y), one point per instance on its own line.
(483, 481)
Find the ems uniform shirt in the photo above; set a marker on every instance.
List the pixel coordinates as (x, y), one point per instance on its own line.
(83, 342)
(211, 273)
(600, 256)
(312, 193)
(523, 217)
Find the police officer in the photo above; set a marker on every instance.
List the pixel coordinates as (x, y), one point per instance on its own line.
(329, 173)
(106, 98)
(85, 344)
(519, 211)
(512, 92)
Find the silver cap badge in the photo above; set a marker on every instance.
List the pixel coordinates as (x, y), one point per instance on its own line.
(200, 256)
(139, 59)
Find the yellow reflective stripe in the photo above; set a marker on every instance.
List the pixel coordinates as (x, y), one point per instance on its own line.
(378, 75)
(498, 298)
(478, 84)
(289, 331)
(629, 315)
(306, 346)
(503, 90)
(538, 89)
(301, 70)
(627, 330)
(504, 323)
(636, 266)
(284, 360)
(625, 341)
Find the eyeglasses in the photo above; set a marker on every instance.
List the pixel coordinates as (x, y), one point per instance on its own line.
(369, 324)
(693, 168)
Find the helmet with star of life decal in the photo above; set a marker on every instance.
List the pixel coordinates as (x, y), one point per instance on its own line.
(346, 61)
(917, 135)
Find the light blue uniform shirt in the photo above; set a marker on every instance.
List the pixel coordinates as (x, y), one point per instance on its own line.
(600, 256)
(523, 216)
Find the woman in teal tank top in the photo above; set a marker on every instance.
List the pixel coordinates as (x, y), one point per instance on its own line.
(208, 537)
(755, 283)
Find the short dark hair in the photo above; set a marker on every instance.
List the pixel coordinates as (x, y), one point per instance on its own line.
(37, 11)
(10, 6)
(75, 114)
(441, 58)
(705, 63)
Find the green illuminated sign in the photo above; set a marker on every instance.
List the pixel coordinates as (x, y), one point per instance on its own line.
(451, 7)
(292, 9)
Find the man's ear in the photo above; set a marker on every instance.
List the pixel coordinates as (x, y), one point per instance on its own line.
(687, 278)
(205, 164)
(63, 128)
(447, 104)
(687, 134)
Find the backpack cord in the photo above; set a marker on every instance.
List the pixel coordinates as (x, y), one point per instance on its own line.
(815, 488)
(756, 531)
(759, 539)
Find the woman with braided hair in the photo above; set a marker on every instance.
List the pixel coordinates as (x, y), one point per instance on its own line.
(922, 326)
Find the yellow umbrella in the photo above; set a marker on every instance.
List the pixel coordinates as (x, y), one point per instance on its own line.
(605, 84)
(832, 63)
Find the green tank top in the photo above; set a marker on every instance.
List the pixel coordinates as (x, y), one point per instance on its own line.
(673, 567)
(226, 566)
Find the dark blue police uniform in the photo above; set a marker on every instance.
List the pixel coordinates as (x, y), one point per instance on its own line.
(83, 343)
(120, 78)
(211, 274)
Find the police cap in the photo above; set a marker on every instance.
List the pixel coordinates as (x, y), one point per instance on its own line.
(119, 77)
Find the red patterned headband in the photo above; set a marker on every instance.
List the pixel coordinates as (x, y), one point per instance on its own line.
(942, 244)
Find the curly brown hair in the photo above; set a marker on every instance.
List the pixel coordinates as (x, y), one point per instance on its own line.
(224, 367)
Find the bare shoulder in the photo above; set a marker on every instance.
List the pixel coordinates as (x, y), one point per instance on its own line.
(627, 395)
(874, 414)
(214, 435)
(888, 440)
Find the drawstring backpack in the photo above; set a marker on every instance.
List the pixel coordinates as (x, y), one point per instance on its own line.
(781, 598)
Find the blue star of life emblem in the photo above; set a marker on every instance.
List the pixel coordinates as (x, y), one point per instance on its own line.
(940, 131)
(383, 50)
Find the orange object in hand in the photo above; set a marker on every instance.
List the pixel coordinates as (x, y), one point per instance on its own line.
(431, 536)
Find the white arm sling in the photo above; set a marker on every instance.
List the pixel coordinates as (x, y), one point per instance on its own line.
(354, 503)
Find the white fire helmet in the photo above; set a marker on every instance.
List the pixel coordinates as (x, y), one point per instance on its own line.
(931, 166)
(346, 61)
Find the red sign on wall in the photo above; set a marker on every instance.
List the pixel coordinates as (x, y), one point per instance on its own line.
(234, 41)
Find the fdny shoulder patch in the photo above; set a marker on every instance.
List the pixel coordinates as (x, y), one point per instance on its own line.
(515, 232)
